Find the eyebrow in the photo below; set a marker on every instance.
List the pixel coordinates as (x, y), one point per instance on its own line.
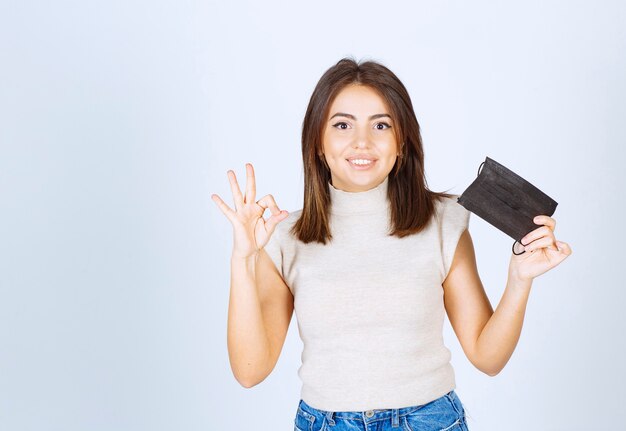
(372, 117)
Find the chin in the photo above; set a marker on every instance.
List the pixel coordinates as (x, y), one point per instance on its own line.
(362, 182)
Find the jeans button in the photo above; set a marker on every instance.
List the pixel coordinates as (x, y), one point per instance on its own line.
(369, 413)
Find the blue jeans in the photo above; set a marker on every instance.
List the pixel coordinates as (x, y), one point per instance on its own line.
(443, 414)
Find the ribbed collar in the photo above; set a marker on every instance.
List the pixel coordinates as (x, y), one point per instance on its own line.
(369, 201)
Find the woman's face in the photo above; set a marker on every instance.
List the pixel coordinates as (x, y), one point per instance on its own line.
(358, 141)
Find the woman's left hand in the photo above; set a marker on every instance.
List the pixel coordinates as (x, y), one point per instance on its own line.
(543, 251)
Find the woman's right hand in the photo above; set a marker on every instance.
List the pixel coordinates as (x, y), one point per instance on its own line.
(251, 231)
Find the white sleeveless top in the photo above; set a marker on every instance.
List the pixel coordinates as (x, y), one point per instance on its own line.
(370, 306)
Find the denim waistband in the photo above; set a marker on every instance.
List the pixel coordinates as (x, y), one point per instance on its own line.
(365, 415)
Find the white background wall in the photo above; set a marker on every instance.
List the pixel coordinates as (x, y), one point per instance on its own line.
(119, 119)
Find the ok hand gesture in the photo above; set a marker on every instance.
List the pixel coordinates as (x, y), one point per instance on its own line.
(251, 231)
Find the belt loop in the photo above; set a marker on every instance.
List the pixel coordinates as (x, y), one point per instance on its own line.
(395, 420)
(329, 418)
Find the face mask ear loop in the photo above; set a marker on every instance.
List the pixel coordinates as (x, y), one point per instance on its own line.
(513, 249)
(479, 168)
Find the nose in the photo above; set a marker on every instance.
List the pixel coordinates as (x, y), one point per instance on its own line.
(361, 138)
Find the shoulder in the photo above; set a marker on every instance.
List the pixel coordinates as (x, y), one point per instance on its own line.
(448, 210)
(285, 226)
(452, 221)
(447, 203)
(293, 217)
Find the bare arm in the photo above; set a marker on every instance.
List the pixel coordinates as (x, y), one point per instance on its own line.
(466, 302)
(259, 314)
(489, 338)
(259, 311)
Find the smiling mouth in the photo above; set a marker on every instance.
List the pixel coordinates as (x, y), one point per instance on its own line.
(361, 163)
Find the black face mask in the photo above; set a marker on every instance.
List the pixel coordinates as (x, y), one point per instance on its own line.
(507, 201)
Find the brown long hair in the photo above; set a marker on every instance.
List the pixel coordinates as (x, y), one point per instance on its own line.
(412, 203)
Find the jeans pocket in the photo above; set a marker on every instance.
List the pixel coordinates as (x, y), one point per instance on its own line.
(440, 423)
(438, 415)
(304, 421)
(456, 403)
(456, 426)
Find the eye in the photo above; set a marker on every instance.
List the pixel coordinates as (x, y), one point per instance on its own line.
(385, 126)
(341, 123)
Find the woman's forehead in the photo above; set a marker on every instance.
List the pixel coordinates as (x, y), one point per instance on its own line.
(358, 99)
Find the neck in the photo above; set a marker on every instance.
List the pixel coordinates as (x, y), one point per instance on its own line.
(369, 201)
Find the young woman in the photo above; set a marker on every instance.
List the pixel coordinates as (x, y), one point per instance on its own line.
(372, 263)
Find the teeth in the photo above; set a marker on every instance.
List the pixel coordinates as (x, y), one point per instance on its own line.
(361, 161)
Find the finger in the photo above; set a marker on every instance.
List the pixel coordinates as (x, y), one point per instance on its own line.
(564, 248)
(234, 187)
(545, 242)
(268, 201)
(540, 232)
(228, 212)
(250, 184)
(270, 223)
(545, 220)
